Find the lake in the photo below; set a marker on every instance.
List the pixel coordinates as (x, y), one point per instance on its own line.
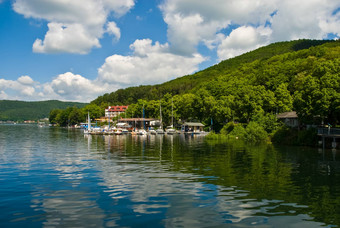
(54, 177)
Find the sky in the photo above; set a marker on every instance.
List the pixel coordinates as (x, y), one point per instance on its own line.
(77, 50)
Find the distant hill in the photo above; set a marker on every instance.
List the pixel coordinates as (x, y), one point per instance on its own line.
(23, 110)
(192, 82)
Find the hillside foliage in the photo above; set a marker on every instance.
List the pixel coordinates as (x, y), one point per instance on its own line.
(301, 75)
(23, 110)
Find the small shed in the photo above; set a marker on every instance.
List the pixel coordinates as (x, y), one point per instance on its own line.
(192, 127)
(289, 118)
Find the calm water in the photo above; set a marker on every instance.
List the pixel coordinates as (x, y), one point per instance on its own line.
(60, 178)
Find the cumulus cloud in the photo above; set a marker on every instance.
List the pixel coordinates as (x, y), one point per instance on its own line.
(72, 38)
(149, 64)
(304, 19)
(66, 87)
(25, 80)
(73, 26)
(192, 22)
(112, 29)
(21, 88)
(243, 39)
(75, 87)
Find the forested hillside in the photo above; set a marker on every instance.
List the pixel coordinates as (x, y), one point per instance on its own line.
(22, 110)
(187, 83)
(301, 75)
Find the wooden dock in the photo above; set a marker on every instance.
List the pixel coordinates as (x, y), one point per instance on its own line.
(333, 133)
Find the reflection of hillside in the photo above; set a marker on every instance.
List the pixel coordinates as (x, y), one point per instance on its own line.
(264, 172)
(146, 177)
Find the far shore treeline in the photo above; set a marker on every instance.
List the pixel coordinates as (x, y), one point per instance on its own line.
(239, 95)
(19, 111)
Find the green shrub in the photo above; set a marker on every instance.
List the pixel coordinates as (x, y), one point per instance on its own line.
(292, 136)
(255, 133)
(307, 137)
(238, 132)
(227, 128)
(268, 122)
(284, 135)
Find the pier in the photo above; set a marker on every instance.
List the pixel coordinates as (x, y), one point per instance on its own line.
(333, 133)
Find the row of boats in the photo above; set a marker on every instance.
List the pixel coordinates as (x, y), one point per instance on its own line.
(121, 131)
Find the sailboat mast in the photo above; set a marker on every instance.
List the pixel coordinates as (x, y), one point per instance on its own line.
(160, 113)
(143, 118)
(88, 121)
(172, 112)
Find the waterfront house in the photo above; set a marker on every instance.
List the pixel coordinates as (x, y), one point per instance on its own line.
(114, 111)
(192, 127)
(289, 118)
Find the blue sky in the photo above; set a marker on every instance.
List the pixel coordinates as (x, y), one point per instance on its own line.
(80, 49)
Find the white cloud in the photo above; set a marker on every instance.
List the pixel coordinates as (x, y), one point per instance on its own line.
(3, 95)
(304, 19)
(73, 26)
(21, 88)
(149, 64)
(191, 22)
(75, 87)
(72, 38)
(194, 22)
(25, 80)
(243, 39)
(66, 87)
(112, 29)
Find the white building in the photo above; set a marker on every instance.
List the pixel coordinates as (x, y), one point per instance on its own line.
(114, 111)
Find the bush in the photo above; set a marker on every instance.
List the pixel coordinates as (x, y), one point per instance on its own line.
(213, 136)
(284, 135)
(292, 136)
(228, 128)
(268, 122)
(238, 132)
(307, 137)
(255, 133)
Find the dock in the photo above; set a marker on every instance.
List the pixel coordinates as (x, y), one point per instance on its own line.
(328, 132)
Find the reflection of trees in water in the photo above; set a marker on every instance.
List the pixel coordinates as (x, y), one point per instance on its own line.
(291, 178)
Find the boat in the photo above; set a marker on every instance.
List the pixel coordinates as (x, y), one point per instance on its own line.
(170, 129)
(125, 131)
(88, 130)
(142, 132)
(160, 131)
(152, 131)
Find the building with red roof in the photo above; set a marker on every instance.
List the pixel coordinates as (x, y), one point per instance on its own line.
(114, 111)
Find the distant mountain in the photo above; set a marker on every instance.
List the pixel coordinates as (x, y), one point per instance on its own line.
(23, 110)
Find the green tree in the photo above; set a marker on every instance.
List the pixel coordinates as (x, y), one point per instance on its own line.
(76, 116)
(94, 110)
(255, 133)
(284, 101)
(53, 115)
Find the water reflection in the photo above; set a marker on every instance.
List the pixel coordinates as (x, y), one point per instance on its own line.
(59, 177)
(260, 178)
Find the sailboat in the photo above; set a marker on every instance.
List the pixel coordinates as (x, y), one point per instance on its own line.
(142, 131)
(170, 129)
(88, 124)
(160, 130)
